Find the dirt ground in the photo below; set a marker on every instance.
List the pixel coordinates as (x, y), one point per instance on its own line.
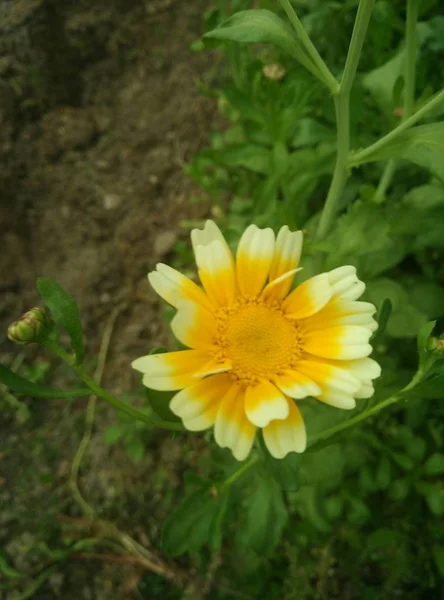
(99, 112)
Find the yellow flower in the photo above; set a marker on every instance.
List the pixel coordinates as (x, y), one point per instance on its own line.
(256, 347)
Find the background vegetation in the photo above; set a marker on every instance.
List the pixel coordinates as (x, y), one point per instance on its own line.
(363, 517)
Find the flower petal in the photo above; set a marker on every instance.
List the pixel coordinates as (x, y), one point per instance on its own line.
(172, 370)
(308, 298)
(345, 342)
(287, 254)
(345, 283)
(232, 428)
(216, 271)
(194, 326)
(201, 399)
(338, 386)
(174, 287)
(364, 369)
(253, 259)
(286, 435)
(265, 402)
(343, 312)
(296, 385)
(207, 235)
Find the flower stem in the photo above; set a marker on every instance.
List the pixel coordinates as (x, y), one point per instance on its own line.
(370, 412)
(323, 71)
(365, 155)
(245, 467)
(101, 393)
(409, 88)
(342, 106)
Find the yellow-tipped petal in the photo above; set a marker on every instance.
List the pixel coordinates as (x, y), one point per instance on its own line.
(253, 260)
(343, 312)
(174, 287)
(346, 342)
(286, 435)
(172, 370)
(345, 283)
(201, 399)
(286, 259)
(263, 403)
(194, 326)
(216, 271)
(296, 385)
(308, 298)
(338, 386)
(232, 428)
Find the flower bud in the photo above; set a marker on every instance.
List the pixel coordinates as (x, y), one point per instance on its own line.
(27, 329)
(436, 346)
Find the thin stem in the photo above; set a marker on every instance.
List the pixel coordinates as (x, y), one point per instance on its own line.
(245, 467)
(370, 412)
(101, 393)
(324, 72)
(409, 88)
(342, 106)
(365, 155)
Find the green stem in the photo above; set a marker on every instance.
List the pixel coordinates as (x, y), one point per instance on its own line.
(342, 106)
(365, 155)
(101, 393)
(370, 412)
(245, 467)
(409, 88)
(324, 72)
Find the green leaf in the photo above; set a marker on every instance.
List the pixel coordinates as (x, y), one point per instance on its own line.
(384, 314)
(383, 473)
(266, 516)
(135, 449)
(434, 464)
(160, 403)
(421, 145)
(65, 311)
(250, 156)
(435, 499)
(425, 357)
(196, 522)
(438, 557)
(112, 434)
(261, 26)
(381, 82)
(23, 386)
(322, 466)
(285, 471)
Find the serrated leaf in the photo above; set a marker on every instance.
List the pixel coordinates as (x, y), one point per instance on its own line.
(421, 145)
(65, 311)
(196, 522)
(23, 386)
(266, 515)
(263, 26)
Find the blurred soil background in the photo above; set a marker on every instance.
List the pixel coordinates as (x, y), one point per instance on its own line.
(99, 112)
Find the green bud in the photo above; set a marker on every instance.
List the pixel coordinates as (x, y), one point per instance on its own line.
(28, 328)
(436, 346)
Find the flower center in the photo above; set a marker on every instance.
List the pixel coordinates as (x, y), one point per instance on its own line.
(258, 339)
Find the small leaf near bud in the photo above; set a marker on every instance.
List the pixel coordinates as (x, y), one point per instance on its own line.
(28, 328)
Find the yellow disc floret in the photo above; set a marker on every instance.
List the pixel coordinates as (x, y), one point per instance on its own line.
(258, 339)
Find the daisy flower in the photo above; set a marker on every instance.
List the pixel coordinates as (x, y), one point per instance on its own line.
(256, 346)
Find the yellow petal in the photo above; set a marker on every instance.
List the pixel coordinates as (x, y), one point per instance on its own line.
(232, 428)
(201, 400)
(265, 402)
(286, 259)
(343, 312)
(172, 370)
(286, 435)
(194, 326)
(253, 259)
(296, 385)
(308, 298)
(346, 342)
(216, 271)
(174, 287)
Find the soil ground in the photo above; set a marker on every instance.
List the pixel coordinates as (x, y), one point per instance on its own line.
(99, 114)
